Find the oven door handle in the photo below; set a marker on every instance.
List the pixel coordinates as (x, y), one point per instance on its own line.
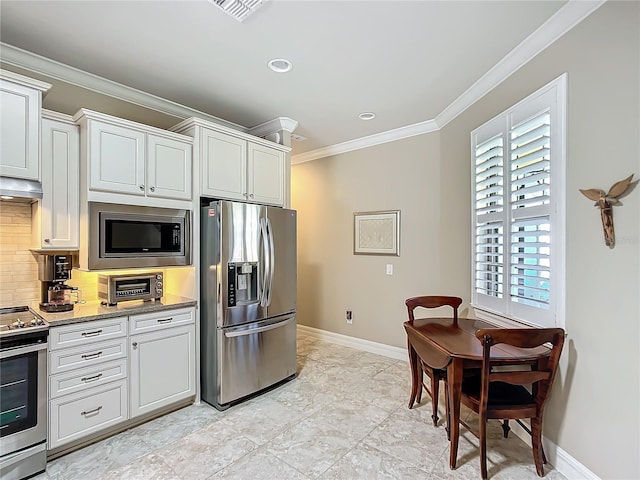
(14, 352)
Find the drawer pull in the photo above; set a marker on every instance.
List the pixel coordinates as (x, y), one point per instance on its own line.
(92, 334)
(91, 412)
(165, 320)
(91, 355)
(91, 379)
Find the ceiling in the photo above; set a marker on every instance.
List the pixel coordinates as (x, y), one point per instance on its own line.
(406, 61)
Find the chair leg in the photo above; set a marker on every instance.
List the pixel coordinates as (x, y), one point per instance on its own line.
(419, 397)
(505, 428)
(482, 434)
(447, 427)
(435, 387)
(536, 440)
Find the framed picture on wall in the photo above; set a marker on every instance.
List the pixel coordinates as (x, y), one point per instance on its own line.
(376, 233)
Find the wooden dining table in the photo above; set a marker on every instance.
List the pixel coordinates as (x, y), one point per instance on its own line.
(441, 344)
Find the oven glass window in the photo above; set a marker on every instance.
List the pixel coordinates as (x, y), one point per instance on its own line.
(124, 236)
(18, 393)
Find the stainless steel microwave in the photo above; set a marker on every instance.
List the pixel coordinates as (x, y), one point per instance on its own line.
(128, 236)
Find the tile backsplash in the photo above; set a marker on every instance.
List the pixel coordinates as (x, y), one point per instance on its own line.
(19, 283)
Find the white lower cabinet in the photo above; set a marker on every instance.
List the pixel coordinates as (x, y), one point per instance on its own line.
(162, 368)
(106, 372)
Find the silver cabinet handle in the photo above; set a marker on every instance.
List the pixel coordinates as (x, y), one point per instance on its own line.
(91, 355)
(142, 188)
(134, 345)
(91, 379)
(153, 189)
(91, 412)
(165, 320)
(251, 195)
(46, 240)
(95, 333)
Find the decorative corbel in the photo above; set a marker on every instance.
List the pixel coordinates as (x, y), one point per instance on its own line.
(605, 202)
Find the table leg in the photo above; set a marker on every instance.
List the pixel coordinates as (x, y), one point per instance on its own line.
(454, 380)
(413, 361)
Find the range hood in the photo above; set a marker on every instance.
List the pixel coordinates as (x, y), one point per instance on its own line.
(20, 188)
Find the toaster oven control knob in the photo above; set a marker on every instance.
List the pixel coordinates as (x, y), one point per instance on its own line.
(159, 276)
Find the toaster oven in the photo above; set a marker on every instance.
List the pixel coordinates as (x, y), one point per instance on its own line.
(137, 286)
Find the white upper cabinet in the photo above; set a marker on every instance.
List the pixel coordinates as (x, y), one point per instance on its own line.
(20, 104)
(265, 174)
(224, 166)
(116, 157)
(153, 167)
(237, 166)
(56, 219)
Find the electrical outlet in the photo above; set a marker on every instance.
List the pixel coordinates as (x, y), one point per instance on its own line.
(349, 317)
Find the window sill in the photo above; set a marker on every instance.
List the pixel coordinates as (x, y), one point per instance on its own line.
(498, 319)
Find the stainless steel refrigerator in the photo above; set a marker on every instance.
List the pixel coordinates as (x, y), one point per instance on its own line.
(247, 299)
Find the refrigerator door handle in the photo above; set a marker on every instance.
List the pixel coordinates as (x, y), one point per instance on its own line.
(272, 260)
(251, 331)
(266, 263)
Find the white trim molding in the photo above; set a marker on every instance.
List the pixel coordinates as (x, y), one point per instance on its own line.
(564, 20)
(368, 141)
(276, 125)
(59, 71)
(396, 353)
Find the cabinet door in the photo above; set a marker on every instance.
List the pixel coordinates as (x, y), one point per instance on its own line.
(223, 166)
(162, 368)
(169, 167)
(265, 175)
(19, 131)
(116, 159)
(59, 209)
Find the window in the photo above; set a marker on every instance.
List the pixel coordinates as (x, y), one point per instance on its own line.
(518, 165)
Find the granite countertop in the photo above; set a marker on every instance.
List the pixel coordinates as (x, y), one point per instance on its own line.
(86, 312)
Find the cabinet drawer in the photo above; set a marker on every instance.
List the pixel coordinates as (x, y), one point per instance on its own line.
(85, 378)
(71, 358)
(161, 320)
(80, 414)
(87, 332)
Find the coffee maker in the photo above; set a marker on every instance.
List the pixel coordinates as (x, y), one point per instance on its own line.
(55, 295)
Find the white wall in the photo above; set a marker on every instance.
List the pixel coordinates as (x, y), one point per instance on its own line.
(594, 412)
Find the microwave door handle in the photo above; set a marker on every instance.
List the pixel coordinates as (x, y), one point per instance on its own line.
(265, 263)
(272, 255)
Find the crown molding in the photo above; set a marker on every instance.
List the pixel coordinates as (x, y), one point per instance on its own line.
(59, 71)
(276, 125)
(26, 81)
(368, 141)
(555, 27)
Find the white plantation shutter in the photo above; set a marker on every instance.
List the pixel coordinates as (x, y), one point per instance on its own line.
(518, 203)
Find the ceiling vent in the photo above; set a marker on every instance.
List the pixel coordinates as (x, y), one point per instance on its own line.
(238, 9)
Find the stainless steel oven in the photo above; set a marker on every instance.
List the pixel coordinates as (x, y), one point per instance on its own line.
(23, 393)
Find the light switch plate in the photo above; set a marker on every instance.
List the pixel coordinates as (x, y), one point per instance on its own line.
(389, 269)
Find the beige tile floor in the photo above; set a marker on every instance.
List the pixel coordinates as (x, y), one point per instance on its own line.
(344, 417)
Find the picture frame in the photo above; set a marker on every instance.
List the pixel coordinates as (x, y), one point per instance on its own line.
(376, 233)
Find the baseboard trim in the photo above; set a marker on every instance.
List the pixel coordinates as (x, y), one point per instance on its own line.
(396, 353)
(556, 456)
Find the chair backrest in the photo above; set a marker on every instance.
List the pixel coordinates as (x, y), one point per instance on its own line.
(541, 377)
(433, 301)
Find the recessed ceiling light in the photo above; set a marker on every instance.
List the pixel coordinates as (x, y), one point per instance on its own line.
(280, 65)
(367, 116)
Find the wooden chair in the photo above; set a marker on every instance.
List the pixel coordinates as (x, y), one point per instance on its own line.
(432, 301)
(503, 394)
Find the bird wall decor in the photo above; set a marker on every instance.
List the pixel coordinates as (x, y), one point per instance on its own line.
(605, 202)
